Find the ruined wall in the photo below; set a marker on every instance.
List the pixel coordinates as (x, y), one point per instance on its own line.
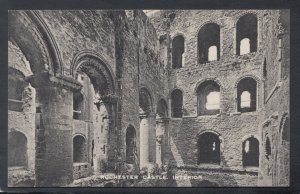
(233, 127)
(275, 170)
(23, 121)
(82, 30)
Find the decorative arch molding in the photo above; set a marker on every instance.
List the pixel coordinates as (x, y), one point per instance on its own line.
(29, 31)
(216, 80)
(79, 134)
(247, 76)
(219, 23)
(88, 58)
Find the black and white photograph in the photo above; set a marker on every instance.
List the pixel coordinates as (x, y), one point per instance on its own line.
(148, 98)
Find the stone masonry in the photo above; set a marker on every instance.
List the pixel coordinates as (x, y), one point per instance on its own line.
(93, 92)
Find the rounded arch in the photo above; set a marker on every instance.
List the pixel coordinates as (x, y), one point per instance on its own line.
(208, 22)
(246, 33)
(246, 90)
(200, 82)
(95, 67)
(162, 108)
(130, 140)
(178, 34)
(209, 131)
(209, 146)
(145, 100)
(209, 43)
(250, 136)
(250, 151)
(79, 148)
(256, 78)
(17, 148)
(79, 134)
(239, 16)
(175, 88)
(28, 30)
(209, 97)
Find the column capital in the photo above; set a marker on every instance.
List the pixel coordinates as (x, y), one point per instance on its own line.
(45, 79)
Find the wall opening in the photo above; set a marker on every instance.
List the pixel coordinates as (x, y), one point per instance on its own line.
(176, 103)
(177, 52)
(246, 32)
(268, 148)
(209, 43)
(79, 149)
(17, 149)
(131, 151)
(208, 94)
(78, 105)
(265, 69)
(16, 85)
(251, 152)
(246, 95)
(209, 148)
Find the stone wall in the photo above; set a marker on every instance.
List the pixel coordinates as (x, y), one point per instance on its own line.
(138, 50)
(275, 170)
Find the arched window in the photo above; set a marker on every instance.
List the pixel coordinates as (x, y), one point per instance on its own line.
(209, 43)
(176, 103)
(208, 94)
(268, 148)
(209, 148)
(16, 85)
(177, 51)
(246, 34)
(246, 95)
(251, 152)
(17, 149)
(78, 105)
(131, 152)
(79, 149)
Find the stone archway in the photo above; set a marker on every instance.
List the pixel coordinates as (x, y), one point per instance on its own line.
(98, 81)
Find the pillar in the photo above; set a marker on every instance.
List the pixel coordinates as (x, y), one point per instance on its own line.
(113, 134)
(161, 140)
(144, 140)
(54, 146)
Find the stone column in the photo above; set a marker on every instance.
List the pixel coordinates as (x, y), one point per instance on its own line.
(144, 140)
(161, 140)
(54, 144)
(113, 135)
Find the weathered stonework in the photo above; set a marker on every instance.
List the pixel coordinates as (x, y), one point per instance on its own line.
(121, 63)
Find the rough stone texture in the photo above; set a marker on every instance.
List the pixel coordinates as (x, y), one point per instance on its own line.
(137, 50)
